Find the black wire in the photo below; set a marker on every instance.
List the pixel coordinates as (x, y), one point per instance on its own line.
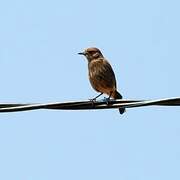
(89, 105)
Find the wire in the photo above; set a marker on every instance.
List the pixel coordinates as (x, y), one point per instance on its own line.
(89, 105)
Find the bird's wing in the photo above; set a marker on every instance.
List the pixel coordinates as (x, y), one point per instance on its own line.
(108, 74)
(102, 72)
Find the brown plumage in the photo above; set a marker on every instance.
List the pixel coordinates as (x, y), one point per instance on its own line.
(101, 74)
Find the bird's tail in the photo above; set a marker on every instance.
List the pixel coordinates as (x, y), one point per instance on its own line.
(117, 95)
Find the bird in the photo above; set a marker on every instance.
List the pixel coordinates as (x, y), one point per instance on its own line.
(101, 74)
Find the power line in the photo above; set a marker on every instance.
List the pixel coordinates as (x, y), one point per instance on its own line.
(89, 105)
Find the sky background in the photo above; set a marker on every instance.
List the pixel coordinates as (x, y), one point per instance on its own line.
(39, 42)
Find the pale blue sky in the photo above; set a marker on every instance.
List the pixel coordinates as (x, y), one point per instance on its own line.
(39, 42)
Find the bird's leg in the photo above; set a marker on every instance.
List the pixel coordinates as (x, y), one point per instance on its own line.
(94, 99)
(107, 100)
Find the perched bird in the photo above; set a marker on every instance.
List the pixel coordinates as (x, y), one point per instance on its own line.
(101, 74)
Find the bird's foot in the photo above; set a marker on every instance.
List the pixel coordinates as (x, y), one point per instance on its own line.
(93, 100)
(107, 100)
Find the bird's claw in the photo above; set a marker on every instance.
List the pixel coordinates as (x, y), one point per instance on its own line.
(93, 100)
(107, 100)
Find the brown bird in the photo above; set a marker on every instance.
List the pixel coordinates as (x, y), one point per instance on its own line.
(101, 74)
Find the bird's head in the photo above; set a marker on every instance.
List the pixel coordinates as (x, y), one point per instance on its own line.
(92, 53)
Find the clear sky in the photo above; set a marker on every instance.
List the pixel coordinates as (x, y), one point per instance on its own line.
(39, 42)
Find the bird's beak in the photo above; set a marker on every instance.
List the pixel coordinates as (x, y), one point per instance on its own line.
(82, 53)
